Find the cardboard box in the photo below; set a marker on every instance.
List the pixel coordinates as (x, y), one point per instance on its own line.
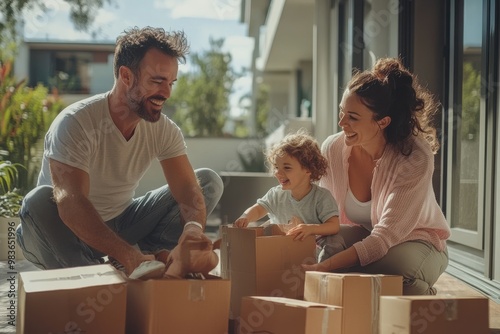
(263, 262)
(178, 306)
(357, 294)
(288, 316)
(89, 299)
(434, 315)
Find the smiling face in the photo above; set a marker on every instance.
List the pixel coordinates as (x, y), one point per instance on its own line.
(151, 88)
(358, 123)
(292, 176)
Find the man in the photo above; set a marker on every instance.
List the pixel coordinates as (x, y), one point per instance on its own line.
(97, 150)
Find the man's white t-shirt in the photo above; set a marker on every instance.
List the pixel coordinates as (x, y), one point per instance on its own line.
(84, 136)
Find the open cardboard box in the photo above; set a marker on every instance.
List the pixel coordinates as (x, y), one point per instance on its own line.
(357, 294)
(434, 315)
(178, 306)
(279, 315)
(262, 261)
(90, 299)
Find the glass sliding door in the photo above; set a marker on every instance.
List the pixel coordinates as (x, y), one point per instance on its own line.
(466, 124)
(471, 143)
(380, 30)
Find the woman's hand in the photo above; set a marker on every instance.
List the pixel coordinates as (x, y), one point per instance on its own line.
(315, 267)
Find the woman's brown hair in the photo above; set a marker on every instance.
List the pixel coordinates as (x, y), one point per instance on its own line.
(389, 89)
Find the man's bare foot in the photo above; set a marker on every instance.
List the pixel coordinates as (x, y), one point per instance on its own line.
(191, 257)
(162, 255)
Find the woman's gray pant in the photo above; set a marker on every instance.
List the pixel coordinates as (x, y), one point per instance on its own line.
(418, 262)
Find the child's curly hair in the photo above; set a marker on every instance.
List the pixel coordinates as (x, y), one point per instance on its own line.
(305, 149)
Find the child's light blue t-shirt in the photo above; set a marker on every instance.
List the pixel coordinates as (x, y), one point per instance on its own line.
(315, 208)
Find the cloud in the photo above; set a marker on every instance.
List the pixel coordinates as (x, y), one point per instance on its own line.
(54, 23)
(37, 21)
(209, 9)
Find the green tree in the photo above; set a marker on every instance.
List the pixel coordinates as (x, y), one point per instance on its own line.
(200, 98)
(262, 109)
(25, 114)
(471, 99)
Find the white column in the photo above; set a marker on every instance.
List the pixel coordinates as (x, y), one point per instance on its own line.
(322, 91)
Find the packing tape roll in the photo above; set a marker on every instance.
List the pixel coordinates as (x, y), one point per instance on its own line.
(323, 289)
(324, 324)
(196, 291)
(376, 282)
(225, 248)
(451, 309)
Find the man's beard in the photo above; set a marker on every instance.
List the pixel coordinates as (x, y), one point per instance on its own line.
(138, 105)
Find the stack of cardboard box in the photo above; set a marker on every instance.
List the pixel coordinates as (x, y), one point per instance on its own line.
(268, 263)
(259, 265)
(263, 289)
(98, 299)
(357, 294)
(262, 261)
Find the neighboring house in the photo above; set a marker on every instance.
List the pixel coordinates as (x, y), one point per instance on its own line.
(307, 49)
(75, 69)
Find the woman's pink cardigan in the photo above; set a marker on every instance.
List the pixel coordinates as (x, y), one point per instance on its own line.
(404, 205)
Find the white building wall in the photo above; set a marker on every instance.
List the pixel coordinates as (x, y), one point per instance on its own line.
(219, 154)
(101, 76)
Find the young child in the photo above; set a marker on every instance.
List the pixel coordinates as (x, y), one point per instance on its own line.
(297, 163)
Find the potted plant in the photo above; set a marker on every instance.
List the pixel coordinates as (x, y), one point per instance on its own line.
(10, 203)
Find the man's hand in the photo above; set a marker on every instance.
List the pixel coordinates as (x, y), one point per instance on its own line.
(132, 259)
(194, 235)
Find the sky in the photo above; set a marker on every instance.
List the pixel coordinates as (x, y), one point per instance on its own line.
(199, 19)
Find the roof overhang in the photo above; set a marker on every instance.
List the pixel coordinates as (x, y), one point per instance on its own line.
(288, 37)
(70, 45)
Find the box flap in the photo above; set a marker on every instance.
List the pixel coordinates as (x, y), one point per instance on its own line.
(430, 297)
(294, 302)
(238, 249)
(281, 252)
(89, 299)
(288, 316)
(70, 278)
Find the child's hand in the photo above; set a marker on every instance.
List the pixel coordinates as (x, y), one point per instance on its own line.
(243, 221)
(301, 231)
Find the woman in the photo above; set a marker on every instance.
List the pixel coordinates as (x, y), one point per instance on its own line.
(380, 174)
